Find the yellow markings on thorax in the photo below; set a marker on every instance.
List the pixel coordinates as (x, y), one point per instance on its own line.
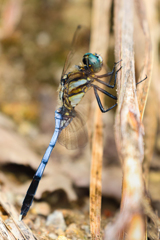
(75, 99)
(74, 89)
(77, 89)
(76, 84)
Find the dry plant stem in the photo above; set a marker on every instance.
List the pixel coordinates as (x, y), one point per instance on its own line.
(150, 124)
(152, 108)
(142, 90)
(146, 61)
(151, 111)
(99, 44)
(146, 7)
(128, 131)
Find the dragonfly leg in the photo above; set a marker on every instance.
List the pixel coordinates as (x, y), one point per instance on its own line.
(115, 78)
(100, 104)
(103, 91)
(141, 80)
(111, 73)
(108, 94)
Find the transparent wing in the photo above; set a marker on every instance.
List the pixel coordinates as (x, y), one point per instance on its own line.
(75, 135)
(79, 46)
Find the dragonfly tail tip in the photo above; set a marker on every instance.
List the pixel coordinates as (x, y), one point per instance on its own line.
(21, 217)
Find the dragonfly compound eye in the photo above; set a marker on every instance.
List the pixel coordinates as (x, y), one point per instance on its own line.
(85, 59)
(93, 61)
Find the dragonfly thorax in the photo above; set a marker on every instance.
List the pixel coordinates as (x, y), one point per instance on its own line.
(76, 83)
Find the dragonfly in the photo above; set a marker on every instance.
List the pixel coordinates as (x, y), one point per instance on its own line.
(69, 123)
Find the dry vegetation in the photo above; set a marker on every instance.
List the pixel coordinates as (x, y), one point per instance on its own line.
(34, 40)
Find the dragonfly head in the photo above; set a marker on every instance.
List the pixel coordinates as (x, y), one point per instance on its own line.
(93, 62)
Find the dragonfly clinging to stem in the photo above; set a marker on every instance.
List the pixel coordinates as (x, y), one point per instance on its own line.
(73, 87)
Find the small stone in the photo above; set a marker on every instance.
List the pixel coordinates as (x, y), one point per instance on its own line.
(52, 236)
(57, 220)
(74, 233)
(89, 235)
(41, 208)
(61, 238)
(85, 228)
(59, 232)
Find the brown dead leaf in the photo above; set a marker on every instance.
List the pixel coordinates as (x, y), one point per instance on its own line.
(15, 149)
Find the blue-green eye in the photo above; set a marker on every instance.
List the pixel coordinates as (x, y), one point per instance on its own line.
(93, 61)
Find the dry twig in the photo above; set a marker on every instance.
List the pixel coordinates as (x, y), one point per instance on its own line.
(143, 89)
(10, 227)
(99, 43)
(152, 108)
(128, 128)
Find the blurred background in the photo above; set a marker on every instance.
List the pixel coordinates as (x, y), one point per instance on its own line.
(35, 37)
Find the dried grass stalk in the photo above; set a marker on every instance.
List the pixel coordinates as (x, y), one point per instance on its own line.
(150, 125)
(142, 90)
(128, 130)
(99, 44)
(152, 108)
